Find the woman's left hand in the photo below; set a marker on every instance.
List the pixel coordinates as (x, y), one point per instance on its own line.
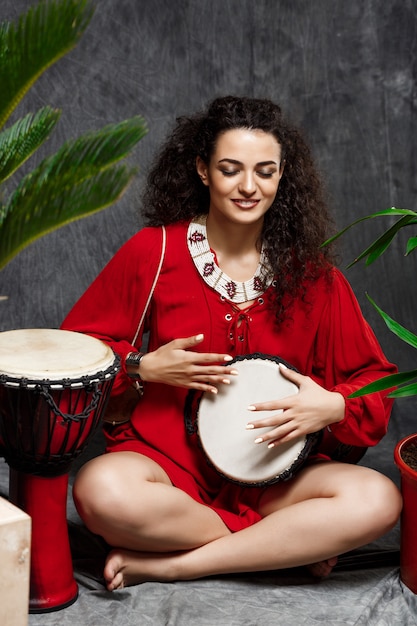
(308, 411)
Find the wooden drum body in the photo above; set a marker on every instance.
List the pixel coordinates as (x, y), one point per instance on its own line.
(54, 386)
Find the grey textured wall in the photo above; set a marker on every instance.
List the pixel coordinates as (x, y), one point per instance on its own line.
(345, 71)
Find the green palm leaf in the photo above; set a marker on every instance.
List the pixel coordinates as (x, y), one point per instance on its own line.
(41, 36)
(83, 176)
(80, 158)
(78, 180)
(54, 204)
(21, 140)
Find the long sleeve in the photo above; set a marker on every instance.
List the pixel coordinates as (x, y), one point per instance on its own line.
(348, 356)
(112, 306)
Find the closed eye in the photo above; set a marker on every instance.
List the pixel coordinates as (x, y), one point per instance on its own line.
(229, 173)
(265, 174)
(261, 173)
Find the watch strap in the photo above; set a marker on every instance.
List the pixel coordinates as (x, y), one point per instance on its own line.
(133, 359)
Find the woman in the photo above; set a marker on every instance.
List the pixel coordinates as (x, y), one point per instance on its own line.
(243, 272)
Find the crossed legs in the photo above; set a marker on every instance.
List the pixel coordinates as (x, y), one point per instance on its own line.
(161, 533)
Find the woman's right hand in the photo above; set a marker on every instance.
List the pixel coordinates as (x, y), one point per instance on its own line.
(175, 363)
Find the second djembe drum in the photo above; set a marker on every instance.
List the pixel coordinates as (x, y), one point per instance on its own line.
(54, 386)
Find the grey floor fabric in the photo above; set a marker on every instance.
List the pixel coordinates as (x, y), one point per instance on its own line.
(368, 598)
(356, 594)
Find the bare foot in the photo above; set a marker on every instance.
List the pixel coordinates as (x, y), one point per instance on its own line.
(323, 568)
(124, 568)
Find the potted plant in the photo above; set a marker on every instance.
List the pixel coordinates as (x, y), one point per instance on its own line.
(85, 175)
(405, 385)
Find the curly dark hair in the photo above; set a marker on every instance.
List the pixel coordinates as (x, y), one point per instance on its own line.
(298, 221)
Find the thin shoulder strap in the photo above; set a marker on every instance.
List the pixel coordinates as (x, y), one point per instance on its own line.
(155, 280)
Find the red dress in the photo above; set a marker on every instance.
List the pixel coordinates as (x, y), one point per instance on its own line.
(326, 337)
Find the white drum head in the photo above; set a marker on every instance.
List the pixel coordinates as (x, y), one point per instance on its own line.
(222, 420)
(52, 354)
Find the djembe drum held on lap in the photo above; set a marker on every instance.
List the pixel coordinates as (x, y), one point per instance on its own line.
(54, 386)
(220, 422)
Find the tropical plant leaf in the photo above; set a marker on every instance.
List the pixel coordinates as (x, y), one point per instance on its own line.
(386, 382)
(378, 247)
(411, 245)
(84, 175)
(80, 179)
(75, 161)
(373, 252)
(52, 204)
(386, 212)
(404, 392)
(21, 140)
(402, 333)
(44, 34)
(94, 150)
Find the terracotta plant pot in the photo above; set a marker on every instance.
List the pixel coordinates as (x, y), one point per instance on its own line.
(408, 559)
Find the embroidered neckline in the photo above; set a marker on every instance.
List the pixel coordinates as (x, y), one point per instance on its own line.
(205, 262)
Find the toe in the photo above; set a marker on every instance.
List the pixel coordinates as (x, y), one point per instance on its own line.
(323, 568)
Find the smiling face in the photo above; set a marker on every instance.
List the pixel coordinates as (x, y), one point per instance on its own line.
(242, 176)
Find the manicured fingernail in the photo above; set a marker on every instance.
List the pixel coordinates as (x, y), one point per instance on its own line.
(259, 440)
(226, 381)
(251, 407)
(249, 426)
(228, 358)
(283, 366)
(213, 390)
(199, 337)
(271, 445)
(234, 372)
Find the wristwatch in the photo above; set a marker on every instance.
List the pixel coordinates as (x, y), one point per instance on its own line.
(132, 362)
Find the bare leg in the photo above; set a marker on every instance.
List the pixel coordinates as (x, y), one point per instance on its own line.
(326, 510)
(129, 500)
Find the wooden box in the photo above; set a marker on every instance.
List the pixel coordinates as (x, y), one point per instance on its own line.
(15, 532)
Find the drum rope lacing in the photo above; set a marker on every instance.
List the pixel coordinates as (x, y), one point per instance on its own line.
(84, 382)
(68, 417)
